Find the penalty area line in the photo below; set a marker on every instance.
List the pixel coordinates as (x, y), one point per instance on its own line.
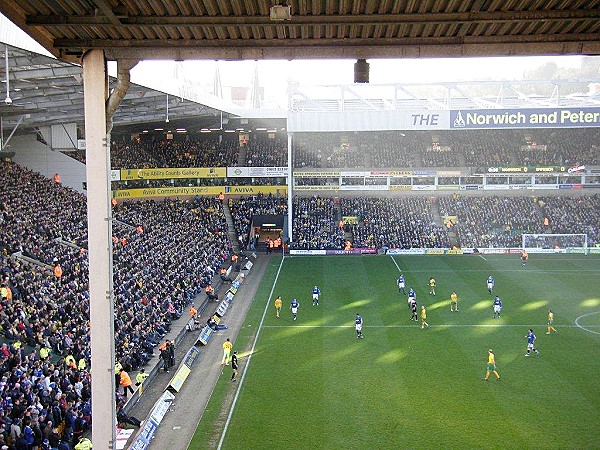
(586, 328)
(239, 388)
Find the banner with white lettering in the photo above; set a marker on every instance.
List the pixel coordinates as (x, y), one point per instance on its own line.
(525, 118)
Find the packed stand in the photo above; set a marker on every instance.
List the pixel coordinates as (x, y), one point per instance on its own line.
(390, 149)
(401, 222)
(490, 221)
(189, 152)
(327, 150)
(262, 151)
(185, 242)
(485, 148)
(574, 215)
(440, 156)
(561, 147)
(44, 314)
(315, 224)
(244, 208)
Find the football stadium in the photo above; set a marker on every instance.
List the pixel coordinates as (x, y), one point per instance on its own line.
(194, 263)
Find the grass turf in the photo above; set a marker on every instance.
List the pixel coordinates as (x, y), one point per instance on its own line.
(313, 384)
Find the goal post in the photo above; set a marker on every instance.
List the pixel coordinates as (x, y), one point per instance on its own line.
(576, 243)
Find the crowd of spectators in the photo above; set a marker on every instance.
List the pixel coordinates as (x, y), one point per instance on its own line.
(408, 222)
(491, 221)
(44, 313)
(440, 156)
(561, 147)
(328, 150)
(485, 148)
(399, 222)
(263, 151)
(162, 268)
(244, 208)
(366, 150)
(315, 224)
(569, 215)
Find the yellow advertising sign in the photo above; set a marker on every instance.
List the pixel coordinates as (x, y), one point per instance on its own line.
(179, 377)
(434, 251)
(170, 173)
(198, 190)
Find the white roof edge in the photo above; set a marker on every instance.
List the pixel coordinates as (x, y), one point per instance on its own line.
(12, 35)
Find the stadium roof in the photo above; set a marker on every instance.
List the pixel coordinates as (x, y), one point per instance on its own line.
(45, 91)
(246, 29)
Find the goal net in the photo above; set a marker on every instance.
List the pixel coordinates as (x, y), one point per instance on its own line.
(550, 242)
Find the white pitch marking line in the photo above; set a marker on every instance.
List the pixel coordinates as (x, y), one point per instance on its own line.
(260, 326)
(450, 325)
(397, 266)
(587, 326)
(481, 256)
(548, 271)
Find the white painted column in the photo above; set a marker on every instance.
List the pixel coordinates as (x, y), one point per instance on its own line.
(290, 189)
(100, 250)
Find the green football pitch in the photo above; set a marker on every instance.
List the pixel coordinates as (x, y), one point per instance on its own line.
(311, 384)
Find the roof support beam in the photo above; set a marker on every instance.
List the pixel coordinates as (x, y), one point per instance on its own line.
(107, 11)
(5, 143)
(357, 19)
(182, 49)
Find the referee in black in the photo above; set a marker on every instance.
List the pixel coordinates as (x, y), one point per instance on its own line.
(234, 366)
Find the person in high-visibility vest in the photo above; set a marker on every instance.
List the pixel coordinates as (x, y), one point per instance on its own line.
(114, 202)
(125, 381)
(141, 376)
(84, 444)
(57, 178)
(70, 361)
(193, 312)
(221, 197)
(44, 353)
(210, 293)
(58, 271)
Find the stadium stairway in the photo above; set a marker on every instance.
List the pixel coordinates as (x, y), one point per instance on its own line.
(61, 241)
(541, 210)
(231, 233)
(22, 257)
(241, 162)
(125, 224)
(437, 217)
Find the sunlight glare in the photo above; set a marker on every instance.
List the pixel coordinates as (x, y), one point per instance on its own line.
(590, 302)
(534, 305)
